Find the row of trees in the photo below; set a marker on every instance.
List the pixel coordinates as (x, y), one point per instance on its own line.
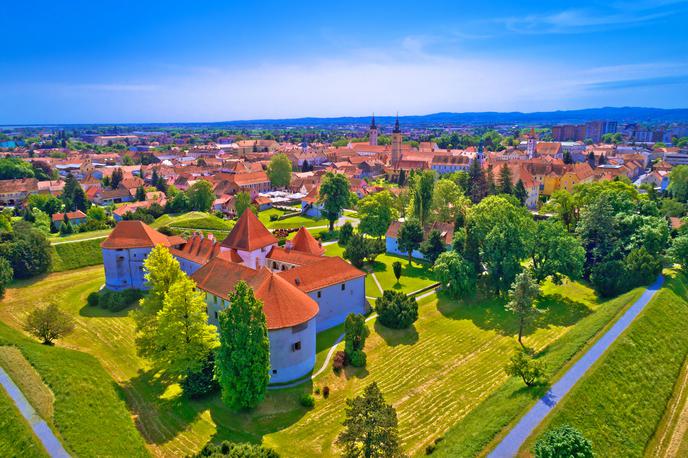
(172, 332)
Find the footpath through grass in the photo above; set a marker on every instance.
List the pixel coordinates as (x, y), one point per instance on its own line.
(619, 404)
(16, 437)
(437, 373)
(89, 415)
(568, 304)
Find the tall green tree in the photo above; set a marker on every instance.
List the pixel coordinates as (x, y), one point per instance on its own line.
(6, 275)
(448, 202)
(334, 196)
(116, 178)
(371, 427)
(242, 363)
(48, 323)
(455, 274)
(433, 246)
(376, 213)
(356, 250)
(161, 272)
(184, 337)
(564, 208)
(396, 310)
(355, 334)
(242, 203)
(477, 182)
(556, 252)
(410, 237)
(522, 296)
(201, 196)
(506, 185)
(598, 232)
(678, 252)
(520, 192)
(279, 170)
(491, 183)
(423, 186)
(140, 194)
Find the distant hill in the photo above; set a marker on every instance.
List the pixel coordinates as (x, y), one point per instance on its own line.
(621, 114)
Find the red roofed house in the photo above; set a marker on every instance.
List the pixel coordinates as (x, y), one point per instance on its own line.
(75, 218)
(303, 292)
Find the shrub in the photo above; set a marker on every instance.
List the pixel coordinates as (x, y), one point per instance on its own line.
(326, 392)
(355, 334)
(356, 250)
(274, 217)
(375, 247)
(396, 310)
(200, 383)
(326, 236)
(339, 361)
(345, 233)
(317, 390)
(563, 441)
(92, 299)
(232, 450)
(116, 301)
(396, 267)
(307, 400)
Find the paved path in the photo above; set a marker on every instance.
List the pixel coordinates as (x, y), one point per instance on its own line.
(79, 240)
(39, 426)
(513, 441)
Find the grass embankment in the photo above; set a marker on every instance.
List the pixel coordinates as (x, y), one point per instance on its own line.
(68, 256)
(28, 380)
(16, 437)
(619, 404)
(89, 416)
(291, 222)
(103, 233)
(435, 373)
(671, 438)
(568, 304)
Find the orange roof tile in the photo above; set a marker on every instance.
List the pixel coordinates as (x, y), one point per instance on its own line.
(304, 241)
(249, 234)
(134, 234)
(328, 272)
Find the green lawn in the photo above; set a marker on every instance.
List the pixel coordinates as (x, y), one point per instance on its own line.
(81, 236)
(435, 373)
(68, 256)
(413, 277)
(16, 437)
(620, 403)
(193, 220)
(89, 413)
(569, 304)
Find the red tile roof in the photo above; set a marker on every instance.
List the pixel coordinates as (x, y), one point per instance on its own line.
(304, 241)
(249, 234)
(327, 272)
(134, 234)
(284, 305)
(71, 215)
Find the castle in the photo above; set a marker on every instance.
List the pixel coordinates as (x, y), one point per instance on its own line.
(303, 292)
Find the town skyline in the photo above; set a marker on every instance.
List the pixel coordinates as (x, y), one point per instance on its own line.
(176, 64)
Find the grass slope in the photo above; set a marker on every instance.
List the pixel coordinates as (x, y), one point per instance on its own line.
(16, 437)
(436, 373)
(68, 256)
(619, 404)
(28, 380)
(569, 303)
(89, 414)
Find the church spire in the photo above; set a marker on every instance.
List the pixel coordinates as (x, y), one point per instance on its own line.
(372, 122)
(396, 125)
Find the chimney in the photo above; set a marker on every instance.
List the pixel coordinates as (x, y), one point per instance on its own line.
(297, 281)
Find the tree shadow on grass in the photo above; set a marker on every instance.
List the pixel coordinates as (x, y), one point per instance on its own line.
(394, 337)
(351, 372)
(558, 311)
(97, 312)
(164, 412)
(536, 391)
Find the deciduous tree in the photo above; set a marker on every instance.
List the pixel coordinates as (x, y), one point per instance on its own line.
(563, 441)
(433, 246)
(524, 366)
(409, 237)
(334, 196)
(522, 296)
(279, 170)
(396, 310)
(48, 323)
(243, 359)
(456, 275)
(201, 196)
(355, 334)
(556, 252)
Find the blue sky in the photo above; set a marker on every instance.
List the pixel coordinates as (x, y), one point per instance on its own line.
(148, 61)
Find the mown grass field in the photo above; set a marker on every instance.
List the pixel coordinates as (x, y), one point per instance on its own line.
(89, 415)
(68, 256)
(619, 404)
(28, 380)
(671, 438)
(435, 373)
(572, 306)
(194, 220)
(16, 437)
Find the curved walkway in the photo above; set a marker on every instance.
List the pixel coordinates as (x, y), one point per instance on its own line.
(40, 428)
(510, 445)
(331, 352)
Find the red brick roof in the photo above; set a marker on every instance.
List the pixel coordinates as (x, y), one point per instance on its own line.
(304, 241)
(327, 272)
(134, 234)
(298, 258)
(71, 215)
(284, 305)
(249, 234)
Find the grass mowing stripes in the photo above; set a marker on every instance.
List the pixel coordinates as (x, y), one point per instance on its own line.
(28, 380)
(571, 302)
(620, 403)
(16, 437)
(89, 414)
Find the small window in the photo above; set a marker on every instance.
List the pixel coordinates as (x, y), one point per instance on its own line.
(343, 286)
(319, 294)
(216, 315)
(274, 371)
(296, 346)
